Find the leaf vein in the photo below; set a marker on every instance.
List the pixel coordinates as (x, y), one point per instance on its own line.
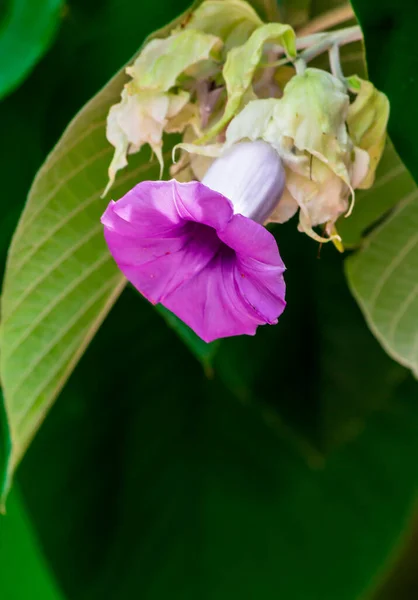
(54, 341)
(49, 307)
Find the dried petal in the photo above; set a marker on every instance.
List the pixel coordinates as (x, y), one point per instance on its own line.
(139, 119)
(367, 120)
(162, 61)
(242, 62)
(312, 112)
(147, 107)
(231, 20)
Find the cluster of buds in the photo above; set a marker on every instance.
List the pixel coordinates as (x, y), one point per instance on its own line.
(262, 132)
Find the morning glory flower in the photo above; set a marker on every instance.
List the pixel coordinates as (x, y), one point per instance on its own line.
(199, 248)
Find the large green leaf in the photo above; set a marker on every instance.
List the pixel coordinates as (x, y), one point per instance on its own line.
(16, 123)
(60, 279)
(25, 33)
(383, 278)
(162, 484)
(23, 573)
(5, 451)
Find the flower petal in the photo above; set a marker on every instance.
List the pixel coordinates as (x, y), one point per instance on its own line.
(241, 288)
(196, 202)
(162, 61)
(162, 233)
(259, 266)
(181, 245)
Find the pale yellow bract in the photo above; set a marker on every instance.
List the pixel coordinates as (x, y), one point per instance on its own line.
(329, 147)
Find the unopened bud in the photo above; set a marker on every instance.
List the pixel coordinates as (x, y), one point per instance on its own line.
(251, 175)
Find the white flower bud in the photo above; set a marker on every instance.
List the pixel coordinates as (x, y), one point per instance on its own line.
(251, 175)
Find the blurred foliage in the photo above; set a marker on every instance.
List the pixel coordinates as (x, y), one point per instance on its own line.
(5, 450)
(286, 468)
(402, 582)
(168, 484)
(24, 573)
(26, 31)
(390, 33)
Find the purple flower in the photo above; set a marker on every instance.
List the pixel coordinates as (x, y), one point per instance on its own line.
(181, 245)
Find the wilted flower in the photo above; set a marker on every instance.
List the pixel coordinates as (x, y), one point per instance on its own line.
(140, 118)
(241, 64)
(367, 120)
(308, 129)
(231, 20)
(220, 78)
(197, 252)
(173, 85)
(149, 101)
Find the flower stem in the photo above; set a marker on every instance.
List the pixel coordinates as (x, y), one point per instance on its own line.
(317, 43)
(335, 63)
(300, 66)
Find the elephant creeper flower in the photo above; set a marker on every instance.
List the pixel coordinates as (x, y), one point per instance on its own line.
(367, 121)
(200, 249)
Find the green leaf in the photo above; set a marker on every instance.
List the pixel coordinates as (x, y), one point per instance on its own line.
(24, 573)
(17, 124)
(5, 452)
(389, 35)
(60, 280)
(382, 278)
(25, 34)
(161, 480)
